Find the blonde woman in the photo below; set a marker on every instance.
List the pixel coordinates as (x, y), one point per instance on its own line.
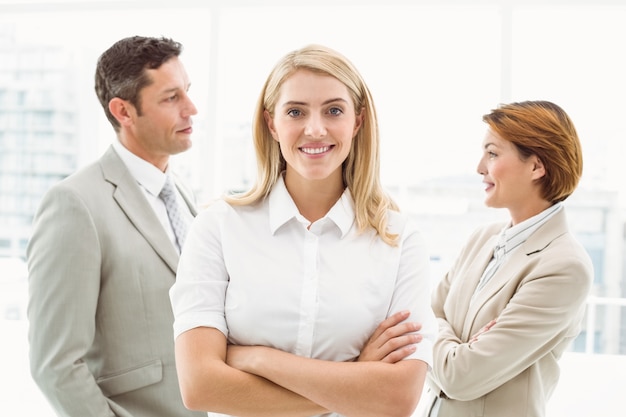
(280, 288)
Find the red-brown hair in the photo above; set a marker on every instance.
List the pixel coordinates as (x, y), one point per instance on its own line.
(543, 129)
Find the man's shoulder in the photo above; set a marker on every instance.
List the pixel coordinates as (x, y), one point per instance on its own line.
(87, 183)
(84, 178)
(94, 172)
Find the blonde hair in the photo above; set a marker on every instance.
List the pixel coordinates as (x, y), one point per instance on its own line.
(361, 170)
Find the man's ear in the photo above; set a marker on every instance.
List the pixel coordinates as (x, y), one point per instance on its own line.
(122, 110)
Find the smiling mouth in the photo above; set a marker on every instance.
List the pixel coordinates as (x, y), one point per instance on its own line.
(316, 151)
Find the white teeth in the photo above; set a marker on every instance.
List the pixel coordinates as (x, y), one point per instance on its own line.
(314, 151)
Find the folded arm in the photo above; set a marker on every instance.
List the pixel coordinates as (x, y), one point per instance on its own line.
(532, 324)
(209, 384)
(255, 380)
(372, 388)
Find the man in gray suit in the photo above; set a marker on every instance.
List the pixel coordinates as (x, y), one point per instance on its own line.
(103, 253)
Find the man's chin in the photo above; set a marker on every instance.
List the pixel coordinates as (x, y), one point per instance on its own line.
(182, 146)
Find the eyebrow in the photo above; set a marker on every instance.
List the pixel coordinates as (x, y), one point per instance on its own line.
(168, 91)
(174, 89)
(302, 103)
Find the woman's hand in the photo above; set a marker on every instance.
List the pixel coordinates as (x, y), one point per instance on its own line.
(393, 340)
(483, 330)
(243, 357)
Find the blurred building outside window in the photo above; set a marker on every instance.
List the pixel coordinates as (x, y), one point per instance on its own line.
(433, 67)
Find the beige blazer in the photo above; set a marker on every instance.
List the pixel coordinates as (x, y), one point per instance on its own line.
(100, 268)
(538, 297)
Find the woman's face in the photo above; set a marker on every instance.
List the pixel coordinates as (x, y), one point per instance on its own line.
(510, 182)
(314, 122)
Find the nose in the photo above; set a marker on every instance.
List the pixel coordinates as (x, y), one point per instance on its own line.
(315, 127)
(480, 168)
(189, 109)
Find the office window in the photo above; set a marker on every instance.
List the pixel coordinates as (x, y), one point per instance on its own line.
(434, 68)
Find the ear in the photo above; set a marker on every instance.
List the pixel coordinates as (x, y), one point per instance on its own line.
(358, 122)
(539, 169)
(122, 110)
(270, 124)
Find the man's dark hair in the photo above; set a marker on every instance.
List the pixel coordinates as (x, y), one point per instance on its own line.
(120, 71)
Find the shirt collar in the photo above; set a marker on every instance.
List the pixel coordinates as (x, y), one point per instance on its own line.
(512, 237)
(342, 213)
(282, 209)
(147, 175)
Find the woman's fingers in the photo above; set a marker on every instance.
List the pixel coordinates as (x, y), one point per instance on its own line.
(392, 340)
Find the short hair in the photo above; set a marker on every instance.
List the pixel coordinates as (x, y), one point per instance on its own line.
(544, 129)
(120, 71)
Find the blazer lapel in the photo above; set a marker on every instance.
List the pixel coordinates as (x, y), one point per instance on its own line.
(507, 270)
(510, 269)
(553, 228)
(131, 200)
(469, 284)
(187, 194)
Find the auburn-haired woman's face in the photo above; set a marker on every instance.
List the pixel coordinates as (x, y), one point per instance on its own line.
(510, 182)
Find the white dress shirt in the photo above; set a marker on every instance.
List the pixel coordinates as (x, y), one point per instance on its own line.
(260, 277)
(151, 180)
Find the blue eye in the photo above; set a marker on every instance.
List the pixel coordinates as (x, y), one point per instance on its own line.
(335, 111)
(294, 112)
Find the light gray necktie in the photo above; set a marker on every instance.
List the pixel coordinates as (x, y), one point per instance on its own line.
(499, 253)
(177, 220)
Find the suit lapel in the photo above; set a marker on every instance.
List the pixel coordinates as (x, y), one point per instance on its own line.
(553, 228)
(133, 203)
(468, 285)
(510, 269)
(187, 195)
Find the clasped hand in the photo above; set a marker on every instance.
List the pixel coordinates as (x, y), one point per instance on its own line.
(393, 340)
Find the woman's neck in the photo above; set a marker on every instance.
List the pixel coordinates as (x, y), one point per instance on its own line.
(314, 198)
(528, 210)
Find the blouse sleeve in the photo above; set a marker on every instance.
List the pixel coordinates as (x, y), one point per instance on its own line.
(198, 295)
(413, 289)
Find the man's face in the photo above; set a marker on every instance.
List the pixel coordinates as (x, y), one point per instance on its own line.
(162, 125)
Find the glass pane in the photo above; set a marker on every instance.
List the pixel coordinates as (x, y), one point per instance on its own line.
(433, 70)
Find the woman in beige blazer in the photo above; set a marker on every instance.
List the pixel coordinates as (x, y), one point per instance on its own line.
(514, 299)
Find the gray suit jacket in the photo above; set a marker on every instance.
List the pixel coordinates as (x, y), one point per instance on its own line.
(538, 297)
(100, 268)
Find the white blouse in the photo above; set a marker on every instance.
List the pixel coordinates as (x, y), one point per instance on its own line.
(257, 274)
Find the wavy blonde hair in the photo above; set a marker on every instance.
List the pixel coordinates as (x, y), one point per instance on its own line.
(361, 169)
